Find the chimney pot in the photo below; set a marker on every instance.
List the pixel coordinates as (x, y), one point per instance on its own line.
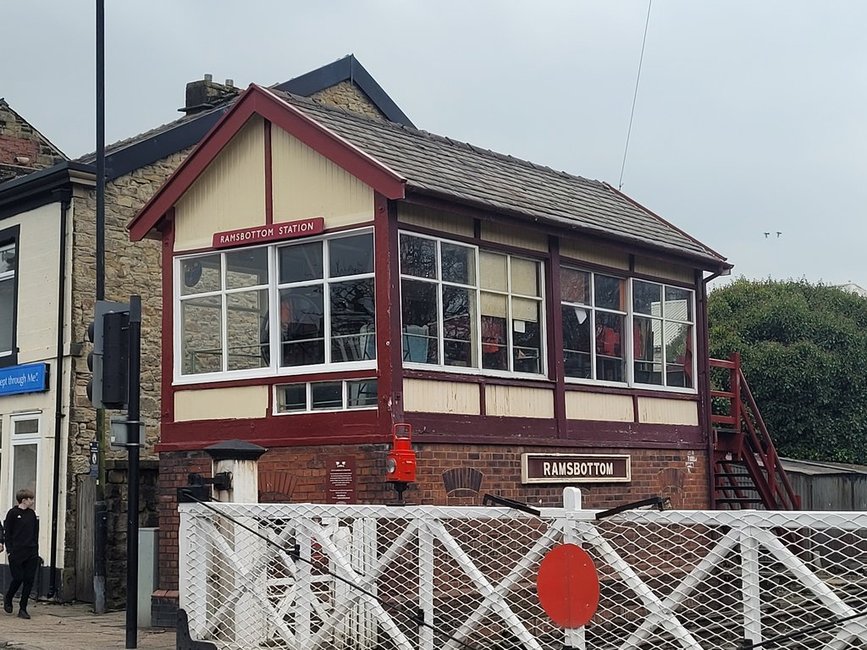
(230, 83)
(209, 77)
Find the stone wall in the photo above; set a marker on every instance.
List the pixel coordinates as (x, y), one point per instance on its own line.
(130, 268)
(348, 96)
(117, 497)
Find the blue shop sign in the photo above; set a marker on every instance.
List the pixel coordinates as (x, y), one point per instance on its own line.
(31, 378)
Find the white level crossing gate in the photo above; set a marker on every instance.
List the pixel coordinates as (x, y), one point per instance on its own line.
(431, 578)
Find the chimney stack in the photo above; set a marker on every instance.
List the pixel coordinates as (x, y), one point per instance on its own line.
(206, 93)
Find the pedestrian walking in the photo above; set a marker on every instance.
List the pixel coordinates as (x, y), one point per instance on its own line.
(21, 536)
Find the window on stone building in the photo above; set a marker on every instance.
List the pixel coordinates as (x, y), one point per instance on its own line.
(8, 292)
(268, 309)
(465, 307)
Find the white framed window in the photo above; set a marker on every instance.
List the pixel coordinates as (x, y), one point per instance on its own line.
(623, 331)
(663, 324)
(24, 441)
(465, 307)
(265, 310)
(309, 397)
(8, 269)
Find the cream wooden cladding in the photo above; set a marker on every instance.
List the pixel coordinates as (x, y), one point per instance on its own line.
(519, 401)
(581, 405)
(429, 396)
(656, 410)
(230, 193)
(306, 184)
(243, 402)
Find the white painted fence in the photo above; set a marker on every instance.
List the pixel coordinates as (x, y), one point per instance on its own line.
(431, 578)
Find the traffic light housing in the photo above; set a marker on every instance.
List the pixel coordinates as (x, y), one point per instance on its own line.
(108, 362)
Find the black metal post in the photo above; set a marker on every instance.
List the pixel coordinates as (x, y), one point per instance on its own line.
(133, 448)
(100, 531)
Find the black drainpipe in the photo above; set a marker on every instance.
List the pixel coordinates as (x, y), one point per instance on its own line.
(65, 197)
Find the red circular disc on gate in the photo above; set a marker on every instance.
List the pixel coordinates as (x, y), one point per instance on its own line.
(568, 586)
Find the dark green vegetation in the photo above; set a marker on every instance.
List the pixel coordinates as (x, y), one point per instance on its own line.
(804, 353)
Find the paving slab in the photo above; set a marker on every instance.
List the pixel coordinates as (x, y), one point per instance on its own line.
(75, 627)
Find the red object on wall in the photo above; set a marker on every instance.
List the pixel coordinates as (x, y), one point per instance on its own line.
(400, 465)
(568, 586)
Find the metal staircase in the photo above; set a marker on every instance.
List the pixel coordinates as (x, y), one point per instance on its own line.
(747, 471)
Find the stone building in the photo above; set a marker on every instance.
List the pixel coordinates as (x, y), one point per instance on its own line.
(47, 280)
(328, 277)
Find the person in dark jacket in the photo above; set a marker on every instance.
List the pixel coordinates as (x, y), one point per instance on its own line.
(21, 536)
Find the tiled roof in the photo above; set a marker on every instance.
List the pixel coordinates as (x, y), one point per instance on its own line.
(436, 165)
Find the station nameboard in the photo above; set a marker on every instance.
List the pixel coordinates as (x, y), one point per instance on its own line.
(576, 468)
(269, 232)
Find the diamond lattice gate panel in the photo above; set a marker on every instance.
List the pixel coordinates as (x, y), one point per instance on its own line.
(424, 578)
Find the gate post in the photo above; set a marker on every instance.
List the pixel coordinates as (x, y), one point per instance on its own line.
(241, 460)
(574, 638)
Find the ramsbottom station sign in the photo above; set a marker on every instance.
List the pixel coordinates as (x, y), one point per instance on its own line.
(269, 232)
(576, 468)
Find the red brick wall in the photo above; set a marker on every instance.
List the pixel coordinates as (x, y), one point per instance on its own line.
(299, 475)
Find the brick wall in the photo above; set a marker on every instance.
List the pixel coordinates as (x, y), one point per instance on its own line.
(679, 475)
(18, 139)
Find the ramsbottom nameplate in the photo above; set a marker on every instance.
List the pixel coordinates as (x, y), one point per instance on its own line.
(576, 468)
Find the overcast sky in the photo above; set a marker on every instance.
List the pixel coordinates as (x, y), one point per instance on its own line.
(750, 115)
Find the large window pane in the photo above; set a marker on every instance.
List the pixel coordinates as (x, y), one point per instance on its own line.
(525, 277)
(646, 298)
(459, 309)
(243, 329)
(609, 292)
(418, 257)
(200, 275)
(459, 264)
(7, 305)
(494, 271)
(247, 268)
(609, 347)
(419, 315)
(575, 286)
(351, 255)
(24, 459)
(300, 262)
(526, 333)
(678, 304)
(302, 326)
(352, 320)
(576, 341)
(648, 354)
(678, 355)
(202, 335)
(495, 342)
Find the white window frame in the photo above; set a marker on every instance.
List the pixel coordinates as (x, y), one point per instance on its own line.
(345, 386)
(273, 291)
(663, 319)
(477, 369)
(22, 440)
(627, 342)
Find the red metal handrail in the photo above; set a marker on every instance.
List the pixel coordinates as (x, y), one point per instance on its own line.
(753, 439)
